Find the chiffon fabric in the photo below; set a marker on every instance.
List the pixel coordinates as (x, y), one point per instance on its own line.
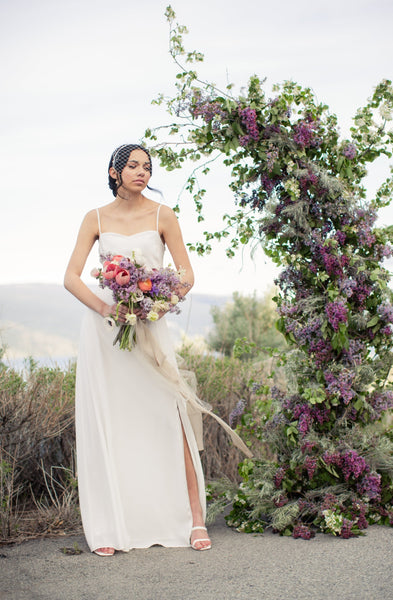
(130, 452)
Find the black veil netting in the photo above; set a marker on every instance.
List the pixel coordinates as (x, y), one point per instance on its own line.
(119, 160)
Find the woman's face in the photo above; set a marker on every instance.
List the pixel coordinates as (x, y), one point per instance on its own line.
(136, 174)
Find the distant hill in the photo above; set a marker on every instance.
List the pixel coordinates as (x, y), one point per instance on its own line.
(43, 320)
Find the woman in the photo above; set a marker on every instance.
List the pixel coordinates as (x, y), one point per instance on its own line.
(140, 476)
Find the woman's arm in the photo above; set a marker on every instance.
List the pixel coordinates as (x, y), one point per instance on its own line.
(170, 231)
(88, 234)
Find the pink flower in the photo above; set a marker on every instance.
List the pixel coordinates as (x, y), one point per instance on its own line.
(95, 273)
(110, 270)
(123, 277)
(117, 258)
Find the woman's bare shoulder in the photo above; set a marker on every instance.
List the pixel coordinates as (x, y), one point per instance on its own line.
(167, 214)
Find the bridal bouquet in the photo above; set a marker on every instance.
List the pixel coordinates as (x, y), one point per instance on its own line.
(133, 285)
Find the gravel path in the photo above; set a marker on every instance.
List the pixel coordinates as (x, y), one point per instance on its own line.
(240, 566)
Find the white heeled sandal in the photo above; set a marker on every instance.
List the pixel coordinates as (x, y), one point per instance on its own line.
(200, 539)
(100, 552)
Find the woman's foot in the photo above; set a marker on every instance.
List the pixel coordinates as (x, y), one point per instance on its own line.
(199, 538)
(104, 551)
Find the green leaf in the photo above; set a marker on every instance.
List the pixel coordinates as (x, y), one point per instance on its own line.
(373, 321)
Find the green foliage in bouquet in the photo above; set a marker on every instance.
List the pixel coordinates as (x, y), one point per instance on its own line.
(299, 191)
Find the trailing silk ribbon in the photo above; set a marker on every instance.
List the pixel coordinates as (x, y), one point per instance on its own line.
(149, 346)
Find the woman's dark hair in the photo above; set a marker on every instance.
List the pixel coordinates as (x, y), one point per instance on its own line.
(119, 160)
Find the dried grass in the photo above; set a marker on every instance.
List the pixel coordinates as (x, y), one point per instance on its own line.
(36, 432)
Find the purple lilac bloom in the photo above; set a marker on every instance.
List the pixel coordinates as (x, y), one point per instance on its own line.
(276, 393)
(310, 465)
(353, 464)
(237, 412)
(307, 445)
(353, 354)
(302, 532)
(208, 110)
(271, 158)
(279, 476)
(305, 135)
(336, 313)
(268, 184)
(346, 529)
(350, 151)
(387, 330)
(380, 402)
(370, 486)
(321, 350)
(329, 501)
(347, 287)
(341, 236)
(340, 384)
(385, 311)
(248, 117)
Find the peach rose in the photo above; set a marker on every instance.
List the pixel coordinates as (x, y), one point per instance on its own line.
(123, 277)
(145, 286)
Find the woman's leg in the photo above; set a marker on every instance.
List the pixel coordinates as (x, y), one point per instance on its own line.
(193, 492)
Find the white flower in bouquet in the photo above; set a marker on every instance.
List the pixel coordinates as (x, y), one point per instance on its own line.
(160, 305)
(152, 316)
(138, 257)
(131, 318)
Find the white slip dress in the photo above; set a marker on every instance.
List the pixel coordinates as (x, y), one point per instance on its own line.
(130, 452)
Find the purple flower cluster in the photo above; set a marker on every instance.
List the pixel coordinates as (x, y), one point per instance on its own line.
(380, 402)
(208, 111)
(303, 532)
(350, 462)
(248, 117)
(307, 181)
(347, 287)
(306, 414)
(350, 151)
(277, 394)
(237, 412)
(353, 465)
(268, 184)
(336, 313)
(307, 446)
(305, 135)
(354, 353)
(321, 350)
(370, 486)
(385, 311)
(340, 384)
(364, 222)
(271, 158)
(310, 465)
(346, 529)
(279, 476)
(329, 501)
(340, 236)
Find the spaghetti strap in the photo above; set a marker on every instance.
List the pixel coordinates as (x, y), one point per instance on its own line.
(99, 222)
(158, 215)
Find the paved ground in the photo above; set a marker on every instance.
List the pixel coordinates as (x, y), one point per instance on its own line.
(240, 566)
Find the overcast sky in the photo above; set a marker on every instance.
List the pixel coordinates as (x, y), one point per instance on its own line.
(78, 78)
